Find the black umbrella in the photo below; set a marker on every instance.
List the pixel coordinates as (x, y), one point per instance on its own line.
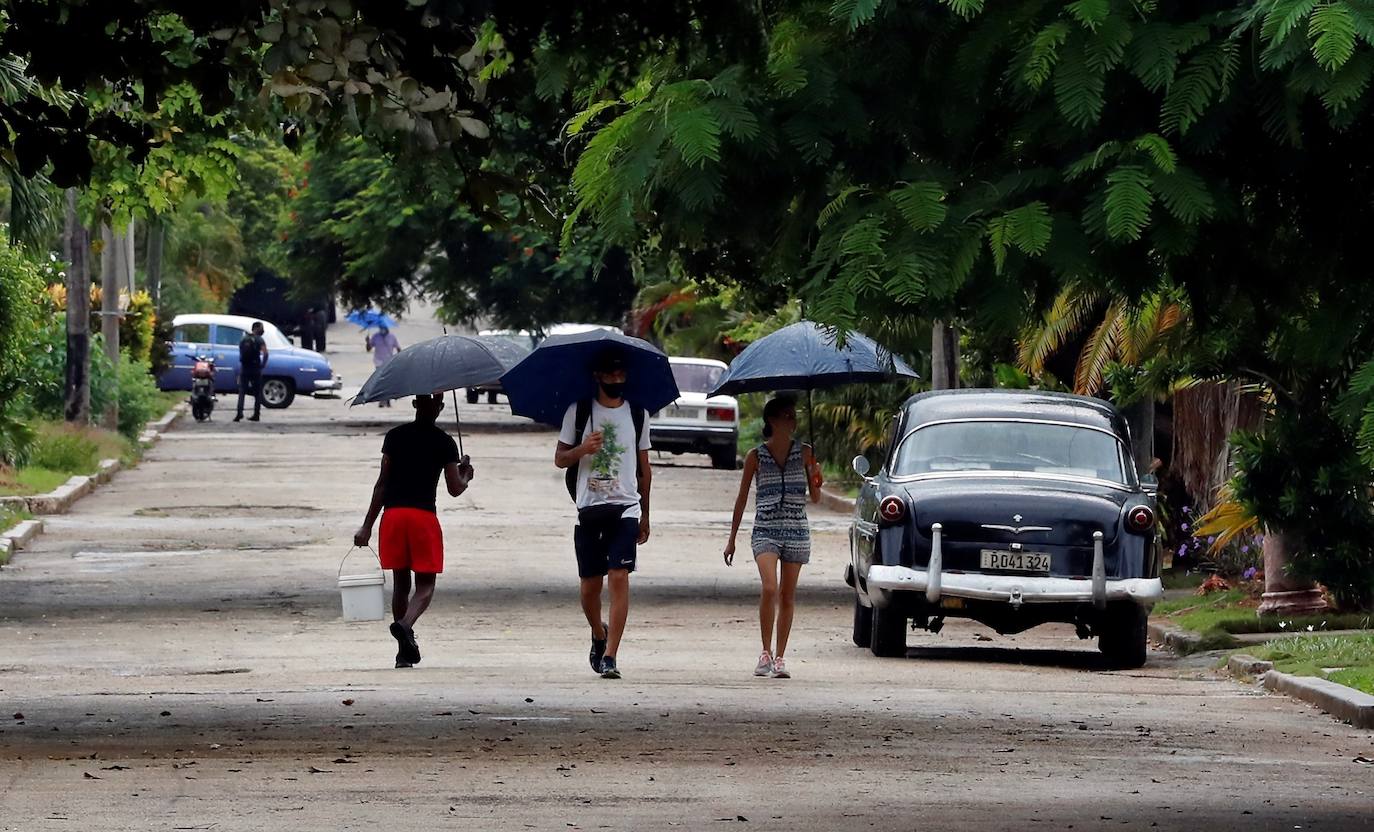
(806, 356)
(437, 365)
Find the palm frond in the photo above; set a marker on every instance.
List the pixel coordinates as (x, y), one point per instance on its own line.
(1099, 351)
(1063, 321)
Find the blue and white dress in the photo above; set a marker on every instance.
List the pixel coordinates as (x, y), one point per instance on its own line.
(780, 491)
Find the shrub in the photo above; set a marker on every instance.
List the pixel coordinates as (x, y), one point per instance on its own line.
(137, 326)
(16, 439)
(21, 292)
(139, 399)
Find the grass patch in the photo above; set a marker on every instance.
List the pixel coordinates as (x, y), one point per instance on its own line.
(1174, 579)
(62, 451)
(1221, 615)
(9, 517)
(1344, 659)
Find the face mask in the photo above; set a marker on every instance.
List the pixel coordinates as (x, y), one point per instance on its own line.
(613, 389)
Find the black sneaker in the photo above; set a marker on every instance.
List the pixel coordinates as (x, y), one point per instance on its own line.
(401, 661)
(405, 637)
(238, 418)
(608, 668)
(255, 418)
(598, 649)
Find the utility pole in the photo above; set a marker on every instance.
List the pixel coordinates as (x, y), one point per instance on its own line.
(77, 393)
(110, 257)
(153, 278)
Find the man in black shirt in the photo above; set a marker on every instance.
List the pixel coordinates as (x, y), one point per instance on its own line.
(413, 456)
(252, 358)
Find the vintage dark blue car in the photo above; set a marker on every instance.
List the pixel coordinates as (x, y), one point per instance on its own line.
(1012, 508)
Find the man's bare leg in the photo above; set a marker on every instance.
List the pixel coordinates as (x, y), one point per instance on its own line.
(400, 593)
(591, 605)
(619, 580)
(424, 593)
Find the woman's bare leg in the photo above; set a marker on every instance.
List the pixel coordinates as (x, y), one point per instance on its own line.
(768, 596)
(787, 598)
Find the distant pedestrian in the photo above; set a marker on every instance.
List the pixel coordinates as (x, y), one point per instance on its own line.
(321, 320)
(784, 473)
(252, 358)
(307, 329)
(604, 442)
(383, 346)
(412, 543)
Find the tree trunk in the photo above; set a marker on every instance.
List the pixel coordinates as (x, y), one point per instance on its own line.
(157, 232)
(127, 262)
(944, 357)
(77, 243)
(1140, 416)
(1285, 595)
(110, 255)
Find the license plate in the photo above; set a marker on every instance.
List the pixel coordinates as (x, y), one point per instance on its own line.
(1014, 561)
(676, 412)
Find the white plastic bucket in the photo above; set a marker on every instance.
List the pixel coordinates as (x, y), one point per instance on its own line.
(364, 595)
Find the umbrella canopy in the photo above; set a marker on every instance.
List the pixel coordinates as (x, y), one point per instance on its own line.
(804, 356)
(444, 363)
(559, 373)
(369, 318)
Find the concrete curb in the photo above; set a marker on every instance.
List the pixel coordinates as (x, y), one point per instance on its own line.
(108, 468)
(1248, 666)
(22, 533)
(60, 499)
(836, 502)
(1179, 641)
(1353, 706)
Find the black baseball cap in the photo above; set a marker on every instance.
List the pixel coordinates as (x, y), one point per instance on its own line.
(608, 360)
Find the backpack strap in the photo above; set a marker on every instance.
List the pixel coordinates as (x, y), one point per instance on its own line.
(580, 420)
(637, 414)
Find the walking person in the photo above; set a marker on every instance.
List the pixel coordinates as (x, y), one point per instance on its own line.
(307, 329)
(605, 448)
(252, 358)
(383, 346)
(412, 543)
(785, 474)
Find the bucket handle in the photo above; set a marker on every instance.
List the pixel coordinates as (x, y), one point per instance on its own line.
(353, 549)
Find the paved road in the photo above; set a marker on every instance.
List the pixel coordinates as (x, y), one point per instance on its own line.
(175, 651)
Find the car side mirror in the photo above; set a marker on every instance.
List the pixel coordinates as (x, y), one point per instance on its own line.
(860, 464)
(1149, 483)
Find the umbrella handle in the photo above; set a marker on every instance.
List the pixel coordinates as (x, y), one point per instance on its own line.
(459, 420)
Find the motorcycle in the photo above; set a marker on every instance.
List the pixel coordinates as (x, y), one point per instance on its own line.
(203, 387)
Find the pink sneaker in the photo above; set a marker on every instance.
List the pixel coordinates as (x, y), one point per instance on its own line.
(780, 669)
(765, 665)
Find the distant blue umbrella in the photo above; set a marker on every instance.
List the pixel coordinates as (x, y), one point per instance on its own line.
(370, 318)
(558, 374)
(804, 356)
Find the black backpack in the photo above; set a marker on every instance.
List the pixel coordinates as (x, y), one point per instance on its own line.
(250, 354)
(584, 415)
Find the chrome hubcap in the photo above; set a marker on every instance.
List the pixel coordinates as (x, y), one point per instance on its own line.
(274, 392)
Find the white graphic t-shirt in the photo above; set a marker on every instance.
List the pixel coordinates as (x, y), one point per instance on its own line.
(607, 476)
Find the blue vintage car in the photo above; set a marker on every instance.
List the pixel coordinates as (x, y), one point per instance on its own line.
(290, 370)
(1013, 508)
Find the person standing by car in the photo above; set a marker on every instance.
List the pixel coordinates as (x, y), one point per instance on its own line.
(307, 329)
(383, 346)
(252, 358)
(321, 321)
(412, 543)
(784, 473)
(605, 439)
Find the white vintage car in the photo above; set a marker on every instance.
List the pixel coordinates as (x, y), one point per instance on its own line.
(697, 422)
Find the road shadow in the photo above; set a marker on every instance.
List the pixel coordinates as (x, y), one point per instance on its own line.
(1087, 659)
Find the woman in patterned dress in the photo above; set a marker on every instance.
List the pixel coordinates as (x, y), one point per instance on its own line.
(785, 474)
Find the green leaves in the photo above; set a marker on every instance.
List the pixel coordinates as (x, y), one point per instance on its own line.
(1044, 53)
(1026, 228)
(1090, 13)
(695, 132)
(1127, 202)
(1205, 78)
(1332, 30)
(1078, 89)
(921, 204)
(854, 13)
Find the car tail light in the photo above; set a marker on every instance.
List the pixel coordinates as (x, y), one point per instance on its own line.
(720, 414)
(892, 510)
(1140, 519)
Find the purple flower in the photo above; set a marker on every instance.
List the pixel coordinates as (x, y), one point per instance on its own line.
(1245, 550)
(1250, 573)
(1187, 509)
(1183, 550)
(1211, 540)
(1184, 527)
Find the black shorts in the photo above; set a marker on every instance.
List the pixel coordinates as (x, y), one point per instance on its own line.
(605, 544)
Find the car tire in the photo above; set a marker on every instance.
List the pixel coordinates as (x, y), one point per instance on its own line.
(887, 637)
(491, 397)
(723, 460)
(472, 396)
(278, 392)
(1124, 636)
(863, 624)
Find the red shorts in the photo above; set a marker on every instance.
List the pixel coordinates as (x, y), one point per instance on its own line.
(411, 539)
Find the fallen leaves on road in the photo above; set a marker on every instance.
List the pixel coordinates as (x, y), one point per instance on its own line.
(115, 767)
(87, 775)
(1364, 761)
(314, 770)
(347, 702)
(18, 715)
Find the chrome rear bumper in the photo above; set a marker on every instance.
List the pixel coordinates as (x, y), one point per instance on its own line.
(1015, 589)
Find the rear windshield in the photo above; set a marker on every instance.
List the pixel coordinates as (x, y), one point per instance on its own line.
(697, 378)
(1019, 447)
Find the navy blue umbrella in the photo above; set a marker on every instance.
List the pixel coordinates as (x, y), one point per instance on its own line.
(558, 374)
(804, 356)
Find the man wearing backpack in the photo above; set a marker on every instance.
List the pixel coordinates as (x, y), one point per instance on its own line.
(252, 358)
(605, 449)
